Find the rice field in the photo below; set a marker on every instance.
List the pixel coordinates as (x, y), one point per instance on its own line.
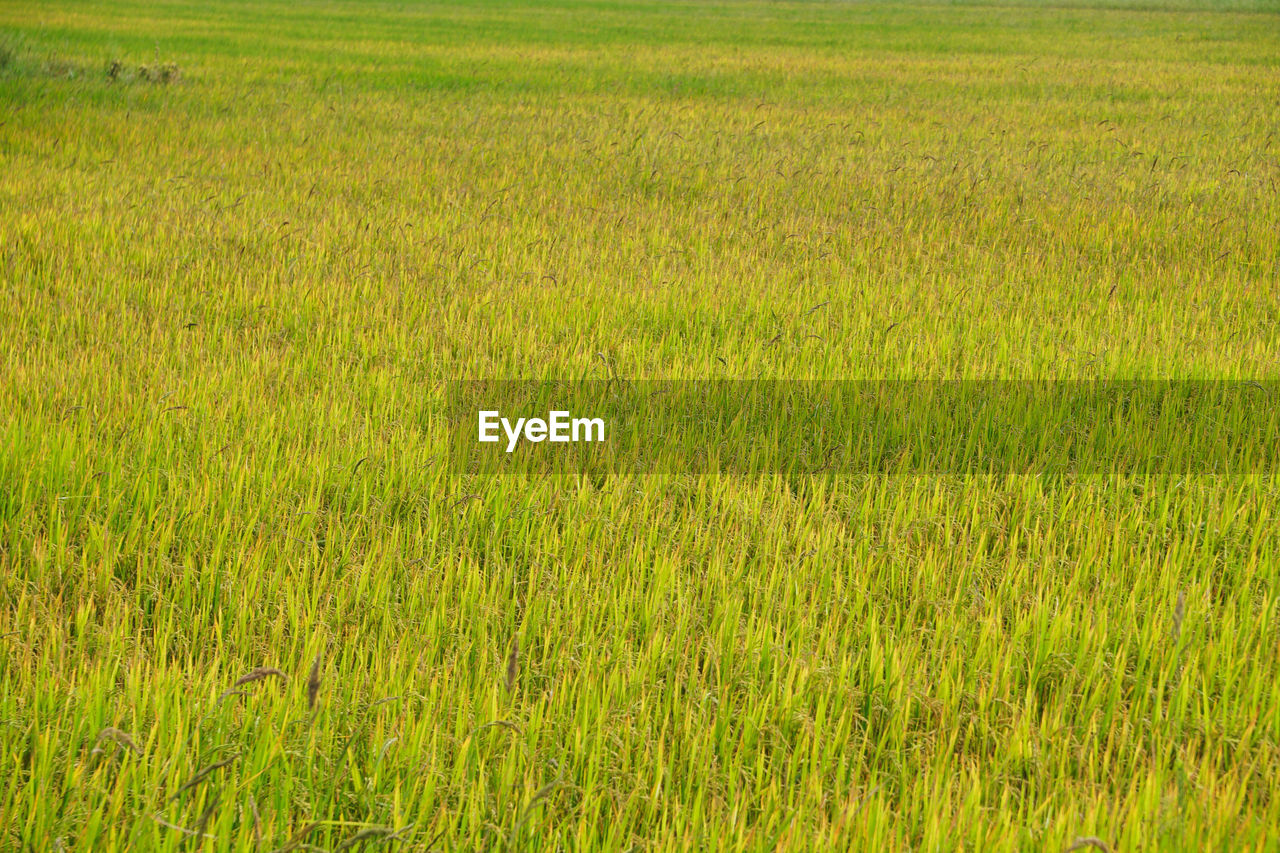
(251, 600)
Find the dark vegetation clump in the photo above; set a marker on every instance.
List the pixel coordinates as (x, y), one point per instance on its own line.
(160, 73)
(19, 56)
(10, 52)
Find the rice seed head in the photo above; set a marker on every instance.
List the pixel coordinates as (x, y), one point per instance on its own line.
(296, 842)
(203, 773)
(257, 822)
(1179, 611)
(366, 835)
(313, 682)
(117, 736)
(256, 674)
(513, 664)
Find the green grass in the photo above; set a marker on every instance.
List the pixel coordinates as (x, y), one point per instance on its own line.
(234, 293)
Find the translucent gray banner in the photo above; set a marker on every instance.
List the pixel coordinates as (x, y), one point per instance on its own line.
(837, 428)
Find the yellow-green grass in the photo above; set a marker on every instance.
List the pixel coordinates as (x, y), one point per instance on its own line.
(244, 246)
